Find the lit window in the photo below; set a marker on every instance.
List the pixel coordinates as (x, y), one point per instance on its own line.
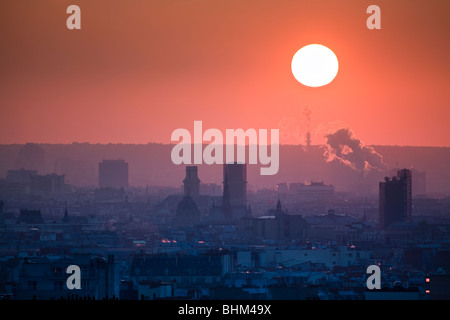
(427, 280)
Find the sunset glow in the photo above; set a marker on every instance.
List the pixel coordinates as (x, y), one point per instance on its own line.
(135, 72)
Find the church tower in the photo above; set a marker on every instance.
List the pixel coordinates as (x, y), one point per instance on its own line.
(191, 182)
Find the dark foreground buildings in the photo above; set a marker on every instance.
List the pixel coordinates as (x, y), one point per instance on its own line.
(136, 244)
(45, 279)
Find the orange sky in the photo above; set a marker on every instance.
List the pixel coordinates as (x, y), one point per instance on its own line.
(139, 69)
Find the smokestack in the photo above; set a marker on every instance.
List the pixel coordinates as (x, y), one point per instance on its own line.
(307, 114)
(308, 139)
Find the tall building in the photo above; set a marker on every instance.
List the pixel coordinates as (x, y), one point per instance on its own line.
(418, 179)
(395, 199)
(191, 182)
(235, 184)
(234, 198)
(113, 173)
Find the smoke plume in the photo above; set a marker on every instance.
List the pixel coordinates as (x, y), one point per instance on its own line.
(342, 147)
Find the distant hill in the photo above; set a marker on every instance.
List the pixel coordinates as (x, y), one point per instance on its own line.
(150, 164)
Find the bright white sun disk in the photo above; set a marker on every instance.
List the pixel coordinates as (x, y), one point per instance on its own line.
(314, 65)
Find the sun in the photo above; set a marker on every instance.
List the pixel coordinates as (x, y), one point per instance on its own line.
(314, 65)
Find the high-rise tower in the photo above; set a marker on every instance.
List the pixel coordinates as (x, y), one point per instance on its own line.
(395, 199)
(235, 184)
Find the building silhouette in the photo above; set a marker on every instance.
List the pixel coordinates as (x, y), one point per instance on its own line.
(276, 225)
(48, 184)
(187, 213)
(31, 157)
(18, 182)
(25, 182)
(205, 268)
(21, 176)
(191, 182)
(235, 184)
(315, 190)
(418, 179)
(233, 204)
(30, 216)
(45, 279)
(234, 199)
(113, 173)
(395, 199)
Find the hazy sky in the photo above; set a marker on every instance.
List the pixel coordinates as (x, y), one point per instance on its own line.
(139, 69)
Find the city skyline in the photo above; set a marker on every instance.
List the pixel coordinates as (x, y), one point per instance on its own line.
(229, 150)
(141, 246)
(136, 72)
(149, 165)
